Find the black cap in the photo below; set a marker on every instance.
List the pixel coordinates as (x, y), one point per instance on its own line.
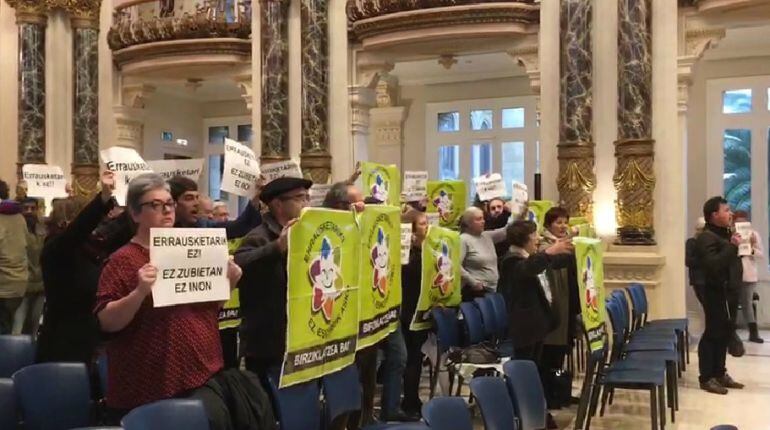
(279, 186)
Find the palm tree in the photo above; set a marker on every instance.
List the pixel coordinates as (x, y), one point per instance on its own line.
(737, 168)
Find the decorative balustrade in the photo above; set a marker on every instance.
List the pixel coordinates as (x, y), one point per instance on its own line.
(373, 18)
(137, 22)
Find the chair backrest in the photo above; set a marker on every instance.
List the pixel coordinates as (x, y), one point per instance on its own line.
(527, 393)
(16, 352)
(488, 317)
(495, 402)
(636, 313)
(625, 317)
(9, 415)
(405, 426)
(724, 427)
(53, 396)
(472, 322)
(188, 414)
(447, 327)
(447, 413)
(618, 337)
(101, 365)
(342, 392)
(501, 312)
(640, 296)
(298, 405)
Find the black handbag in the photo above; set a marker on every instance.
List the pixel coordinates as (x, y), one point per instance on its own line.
(480, 353)
(557, 384)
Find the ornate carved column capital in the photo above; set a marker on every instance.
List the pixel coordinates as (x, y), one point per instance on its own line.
(696, 42)
(29, 11)
(528, 58)
(370, 68)
(386, 91)
(245, 84)
(362, 99)
(84, 13)
(135, 95)
(388, 125)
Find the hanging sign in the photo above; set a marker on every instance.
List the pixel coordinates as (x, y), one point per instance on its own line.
(381, 182)
(379, 290)
(447, 199)
(440, 280)
(127, 164)
(590, 271)
(241, 169)
(192, 265)
(322, 295)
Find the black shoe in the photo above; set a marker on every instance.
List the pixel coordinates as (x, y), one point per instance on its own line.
(754, 334)
(399, 416)
(550, 423)
(728, 382)
(412, 409)
(713, 386)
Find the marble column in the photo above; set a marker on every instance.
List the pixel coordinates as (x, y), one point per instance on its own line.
(274, 42)
(634, 177)
(31, 20)
(577, 180)
(85, 115)
(315, 156)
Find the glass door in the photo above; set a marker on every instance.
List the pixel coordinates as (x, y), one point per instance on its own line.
(215, 132)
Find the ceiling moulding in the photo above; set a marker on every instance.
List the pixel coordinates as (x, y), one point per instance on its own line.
(374, 25)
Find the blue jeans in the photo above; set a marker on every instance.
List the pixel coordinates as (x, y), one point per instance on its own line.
(393, 368)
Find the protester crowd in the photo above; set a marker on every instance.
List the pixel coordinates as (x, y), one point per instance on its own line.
(86, 268)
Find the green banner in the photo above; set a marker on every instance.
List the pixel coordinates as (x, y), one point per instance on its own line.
(322, 295)
(382, 182)
(380, 280)
(536, 210)
(583, 226)
(447, 199)
(440, 285)
(590, 269)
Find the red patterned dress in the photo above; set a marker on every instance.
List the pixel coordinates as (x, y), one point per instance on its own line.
(162, 352)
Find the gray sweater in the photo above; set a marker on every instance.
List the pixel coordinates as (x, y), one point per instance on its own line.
(479, 259)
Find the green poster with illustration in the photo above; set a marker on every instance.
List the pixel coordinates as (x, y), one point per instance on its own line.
(590, 269)
(322, 295)
(536, 210)
(440, 284)
(379, 291)
(582, 227)
(447, 199)
(381, 182)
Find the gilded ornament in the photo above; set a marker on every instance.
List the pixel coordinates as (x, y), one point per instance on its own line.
(572, 179)
(633, 178)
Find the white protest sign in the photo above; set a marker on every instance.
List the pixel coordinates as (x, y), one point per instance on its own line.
(281, 169)
(318, 194)
(241, 169)
(45, 182)
(744, 229)
(489, 187)
(406, 242)
(433, 218)
(191, 169)
(519, 197)
(191, 263)
(415, 186)
(127, 164)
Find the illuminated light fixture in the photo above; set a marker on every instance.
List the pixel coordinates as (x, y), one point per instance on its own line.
(181, 142)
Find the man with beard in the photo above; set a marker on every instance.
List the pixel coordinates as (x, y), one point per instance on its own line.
(497, 216)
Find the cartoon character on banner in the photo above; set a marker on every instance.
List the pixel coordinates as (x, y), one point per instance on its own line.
(444, 277)
(592, 294)
(380, 188)
(324, 273)
(443, 203)
(380, 260)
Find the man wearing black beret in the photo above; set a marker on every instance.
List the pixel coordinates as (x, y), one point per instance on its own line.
(262, 256)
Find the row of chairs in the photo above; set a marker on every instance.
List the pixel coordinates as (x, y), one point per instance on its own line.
(644, 355)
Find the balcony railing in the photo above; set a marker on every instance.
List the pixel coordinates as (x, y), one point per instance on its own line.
(364, 9)
(137, 22)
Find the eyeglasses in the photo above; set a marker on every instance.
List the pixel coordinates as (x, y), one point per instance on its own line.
(300, 197)
(156, 205)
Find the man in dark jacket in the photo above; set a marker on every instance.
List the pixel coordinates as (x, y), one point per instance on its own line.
(697, 280)
(262, 256)
(717, 254)
(497, 215)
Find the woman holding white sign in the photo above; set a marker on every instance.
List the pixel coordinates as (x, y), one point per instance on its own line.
(156, 353)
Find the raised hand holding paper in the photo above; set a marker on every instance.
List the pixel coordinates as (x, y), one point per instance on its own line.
(44, 181)
(489, 186)
(415, 186)
(744, 229)
(241, 169)
(519, 197)
(127, 164)
(191, 169)
(281, 169)
(191, 263)
(406, 242)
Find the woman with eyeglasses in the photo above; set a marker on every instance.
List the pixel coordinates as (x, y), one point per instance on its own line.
(154, 353)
